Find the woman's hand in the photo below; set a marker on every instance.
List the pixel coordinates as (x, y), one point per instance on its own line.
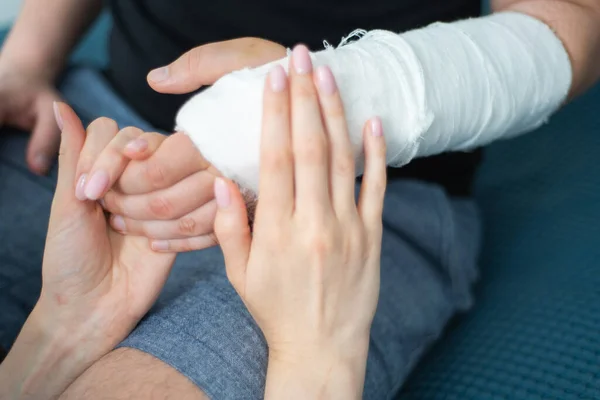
(96, 283)
(26, 99)
(309, 275)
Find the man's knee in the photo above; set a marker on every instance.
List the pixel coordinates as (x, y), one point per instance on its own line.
(131, 374)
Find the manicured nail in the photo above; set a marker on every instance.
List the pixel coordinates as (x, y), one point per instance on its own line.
(376, 127)
(57, 116)
(160, 245)
(301, 60)
(277, 79)
(159, 74)
(137, 145)
(325, 80)
(222, 193)
(79, 192)
(42, 161)
(96, 185)
(118, 223)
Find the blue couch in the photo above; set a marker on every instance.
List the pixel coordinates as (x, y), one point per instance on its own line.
(535, 330)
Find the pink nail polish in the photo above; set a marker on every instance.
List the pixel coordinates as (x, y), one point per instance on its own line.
(137, 145)
(118, 223)
(57, 116)
(96, 185)
(79, 192)
(301, 60)
(160, 245)
(277, 79)
(325, 80)
(376, 127)
(222, 193)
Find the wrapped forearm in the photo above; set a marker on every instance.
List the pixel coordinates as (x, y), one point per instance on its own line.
(445, 87)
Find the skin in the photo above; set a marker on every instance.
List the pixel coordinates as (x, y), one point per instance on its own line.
(97, 284)
(574, 21)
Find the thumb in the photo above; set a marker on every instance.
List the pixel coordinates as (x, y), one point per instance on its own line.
(45, 139)
(71, 144)
(232, 231)
(204, 65)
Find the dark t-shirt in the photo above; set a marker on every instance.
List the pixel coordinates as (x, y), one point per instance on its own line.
(152, 33)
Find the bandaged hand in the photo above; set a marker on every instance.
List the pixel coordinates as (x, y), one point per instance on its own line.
(164, 189)
(445, 87)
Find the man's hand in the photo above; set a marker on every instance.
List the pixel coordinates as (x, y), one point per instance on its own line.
(169, 197)
(26, 103)
(165, 193)
(204, 65)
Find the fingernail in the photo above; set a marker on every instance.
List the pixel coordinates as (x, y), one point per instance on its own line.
(325, 80)
(42, 161)
(376, 127)
(160, 245)
(57, 116)
(96, 185)
(118, 223)
(277, 79)
(137, 145)
(159, 74)
(222, 193)
(79, 192)
(102, 203)
(301, 59)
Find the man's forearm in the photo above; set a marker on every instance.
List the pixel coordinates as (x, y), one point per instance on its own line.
(45, 32)
(577, 24)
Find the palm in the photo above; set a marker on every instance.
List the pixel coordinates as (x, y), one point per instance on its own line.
(111, 272)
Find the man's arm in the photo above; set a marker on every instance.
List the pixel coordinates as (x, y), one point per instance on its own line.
(577, 24)
(45, 33)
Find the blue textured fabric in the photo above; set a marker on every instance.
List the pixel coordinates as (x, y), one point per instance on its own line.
(534, 332)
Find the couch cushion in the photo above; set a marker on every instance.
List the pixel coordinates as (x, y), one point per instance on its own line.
(534, 331)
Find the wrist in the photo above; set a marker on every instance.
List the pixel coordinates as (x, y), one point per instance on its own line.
(46, 357)
(323, 374)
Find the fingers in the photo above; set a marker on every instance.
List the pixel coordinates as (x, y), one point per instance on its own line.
(204, 65)
(72, 139)
(342, 167)
(308, 137)
(196, 223)
(276, 159)
(114, 157)
(98, 135)
(175, 159)
(165, 204)
(232, 231)
(45, 137)
(372, 191)
(184, 245)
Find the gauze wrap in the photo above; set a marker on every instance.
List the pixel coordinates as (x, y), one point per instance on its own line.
(445, 87)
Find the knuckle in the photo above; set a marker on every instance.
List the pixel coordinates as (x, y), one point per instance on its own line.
(344, 163)
(160, 207)
(156, 173)
(187, 226)
(321, 243)
(312, 150)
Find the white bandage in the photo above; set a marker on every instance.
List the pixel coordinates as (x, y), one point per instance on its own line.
(446, 87)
